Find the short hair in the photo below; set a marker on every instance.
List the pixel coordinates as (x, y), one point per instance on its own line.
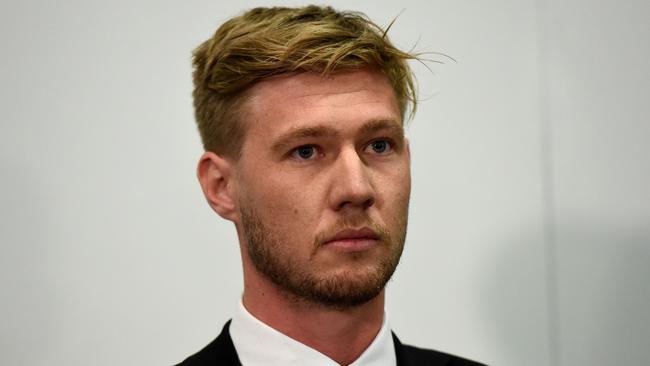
(265, 42)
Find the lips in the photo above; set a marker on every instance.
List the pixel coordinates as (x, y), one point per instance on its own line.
(353, 239)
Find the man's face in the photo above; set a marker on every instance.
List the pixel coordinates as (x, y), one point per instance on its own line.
(323, 185)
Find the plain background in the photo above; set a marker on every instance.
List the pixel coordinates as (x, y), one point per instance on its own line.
(529, 238)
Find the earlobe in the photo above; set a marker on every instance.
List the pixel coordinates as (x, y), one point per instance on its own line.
(216, 177)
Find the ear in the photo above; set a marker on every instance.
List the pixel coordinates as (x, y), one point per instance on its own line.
(217, 180)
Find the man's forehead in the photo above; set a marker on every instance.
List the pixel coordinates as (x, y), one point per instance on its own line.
(310, 87)
(284, 138)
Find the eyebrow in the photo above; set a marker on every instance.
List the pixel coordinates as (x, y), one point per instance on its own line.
(382, 124)
(285, 140)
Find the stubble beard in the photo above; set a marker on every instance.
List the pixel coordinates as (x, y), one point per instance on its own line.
(272, 258)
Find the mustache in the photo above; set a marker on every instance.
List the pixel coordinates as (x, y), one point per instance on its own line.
(352, 223)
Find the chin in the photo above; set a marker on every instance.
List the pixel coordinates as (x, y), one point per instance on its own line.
(347, 288)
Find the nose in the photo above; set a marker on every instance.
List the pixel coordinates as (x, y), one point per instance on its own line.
(352, 186)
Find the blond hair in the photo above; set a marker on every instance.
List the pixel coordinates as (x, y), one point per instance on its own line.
(264, 42)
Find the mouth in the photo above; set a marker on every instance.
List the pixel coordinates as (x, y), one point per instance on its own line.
(353, 240)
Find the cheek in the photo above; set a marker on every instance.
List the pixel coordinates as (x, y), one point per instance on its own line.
(282, 205)
(397, 195)
(397, 182)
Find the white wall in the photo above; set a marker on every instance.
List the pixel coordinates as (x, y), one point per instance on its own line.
(529, 239)
(599, 173)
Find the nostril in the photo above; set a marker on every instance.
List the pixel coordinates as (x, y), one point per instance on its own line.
(369, 202)
(364, 204)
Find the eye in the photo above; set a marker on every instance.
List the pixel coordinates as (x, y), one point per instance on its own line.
(305, 152)
(380, 146)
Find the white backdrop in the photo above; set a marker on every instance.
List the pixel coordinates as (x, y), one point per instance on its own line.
(529, 239)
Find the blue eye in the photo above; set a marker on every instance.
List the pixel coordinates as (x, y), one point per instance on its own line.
(305, 152)
(380, 146)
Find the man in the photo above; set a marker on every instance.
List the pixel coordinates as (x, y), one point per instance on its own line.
(301, 114)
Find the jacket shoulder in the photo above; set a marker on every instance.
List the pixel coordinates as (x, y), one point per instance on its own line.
(415, 356)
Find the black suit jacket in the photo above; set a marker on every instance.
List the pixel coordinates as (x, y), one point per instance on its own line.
(221, 352)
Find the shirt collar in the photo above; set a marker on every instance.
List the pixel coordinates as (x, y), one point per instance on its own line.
(258, 344)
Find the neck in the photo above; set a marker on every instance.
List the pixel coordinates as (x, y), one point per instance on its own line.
(341, 334)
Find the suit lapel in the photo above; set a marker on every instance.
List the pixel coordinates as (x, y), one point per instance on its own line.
(220, 352)
(400, 353)
(224, 349)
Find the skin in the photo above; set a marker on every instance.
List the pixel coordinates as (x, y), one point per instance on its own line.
(320, 155)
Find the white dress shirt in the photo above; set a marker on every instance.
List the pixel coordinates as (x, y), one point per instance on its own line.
(258, 344)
